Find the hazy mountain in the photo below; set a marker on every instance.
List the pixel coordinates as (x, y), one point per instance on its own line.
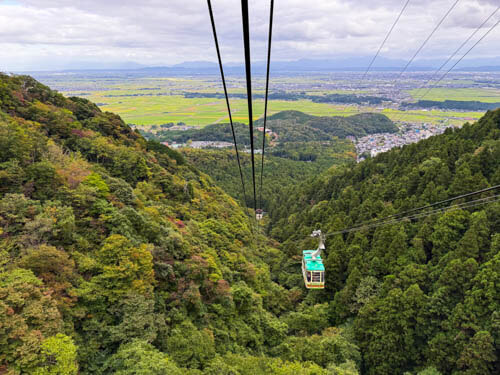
(303, 65)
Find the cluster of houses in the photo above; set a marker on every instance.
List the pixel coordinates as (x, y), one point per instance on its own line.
(409, 133)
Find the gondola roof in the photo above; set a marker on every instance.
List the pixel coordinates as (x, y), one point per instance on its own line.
(311, 264)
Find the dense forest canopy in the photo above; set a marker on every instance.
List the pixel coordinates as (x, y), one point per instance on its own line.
(461, 105)
(294, 96)
(285, 167)
(118, 256)
(417, 294)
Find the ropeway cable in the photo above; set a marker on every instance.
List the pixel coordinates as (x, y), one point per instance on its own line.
(227, 99)
(248, 71)
(271, 14)
(427, 39)
(419, 97)
(425, 42)
(382, 45)
(415, 210)
(475, 203)
(385, 39)
(463, 56)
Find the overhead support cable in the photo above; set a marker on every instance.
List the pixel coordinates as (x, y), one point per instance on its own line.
(413, 211)
(417, 96)
(474, 203)
(227, 99)
(248, 71)
(427, 39)
(459, 48)
(421, 47)
(458, 61)
(385, 39)
(271, 15)
(462, 57)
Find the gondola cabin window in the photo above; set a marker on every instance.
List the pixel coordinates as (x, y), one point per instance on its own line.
(313, 270)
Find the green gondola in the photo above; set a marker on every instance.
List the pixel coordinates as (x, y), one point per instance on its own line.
(313, 269)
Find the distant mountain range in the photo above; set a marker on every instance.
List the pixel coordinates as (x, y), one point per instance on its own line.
(356, 64)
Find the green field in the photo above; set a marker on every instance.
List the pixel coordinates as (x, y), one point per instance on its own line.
(201, 111)
(155, 101)
(167, 104)
(465, 94)
(148, 111)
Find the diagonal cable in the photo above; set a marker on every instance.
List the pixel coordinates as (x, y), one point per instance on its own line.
(427, 39)
(474, 203)
(227, 99)
(415, 210)
(462, 57)
(417, 96)
(266, 98)
(248, 71)
(385, 39)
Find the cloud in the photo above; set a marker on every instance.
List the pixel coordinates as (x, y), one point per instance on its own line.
(159, 32)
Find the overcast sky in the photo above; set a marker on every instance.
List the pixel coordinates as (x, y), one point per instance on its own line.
(49, 34)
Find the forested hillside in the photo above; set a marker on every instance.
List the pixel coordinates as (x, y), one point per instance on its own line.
(118, 257)
(295, 126)
(419, 294)
(461, 105)
(290, 126)
(286, 167)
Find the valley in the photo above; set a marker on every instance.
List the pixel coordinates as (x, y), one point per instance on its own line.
(249, 188)
(121, 255)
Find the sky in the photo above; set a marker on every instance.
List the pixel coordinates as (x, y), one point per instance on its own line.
(58, 34)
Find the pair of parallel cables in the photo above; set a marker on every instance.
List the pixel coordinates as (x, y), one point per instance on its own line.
(384, 221)
(424, 44)
(423, 211)
(248, 73)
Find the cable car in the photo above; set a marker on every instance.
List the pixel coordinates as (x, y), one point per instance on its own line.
(313, 269)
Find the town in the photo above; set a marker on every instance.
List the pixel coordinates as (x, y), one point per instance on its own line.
(374, 144)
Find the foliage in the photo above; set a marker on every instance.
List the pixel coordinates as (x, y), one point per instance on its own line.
(285, 165)
(118, 256)
(28, 314)
(119, 253)
(419, 293)
(58, 356)
(141, 358)
(469, 105)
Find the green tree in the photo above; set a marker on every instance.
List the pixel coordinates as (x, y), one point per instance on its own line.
(478, 356)
(141, 358)
(58, 356)
(122, 269)
(189, 346)
(28, 314)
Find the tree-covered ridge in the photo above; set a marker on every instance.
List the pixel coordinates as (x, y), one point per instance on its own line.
(286, 166)
(116, 256)
(419, 294)
(290, 126)
(294, 96)
(462, 105)
(295, 126)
